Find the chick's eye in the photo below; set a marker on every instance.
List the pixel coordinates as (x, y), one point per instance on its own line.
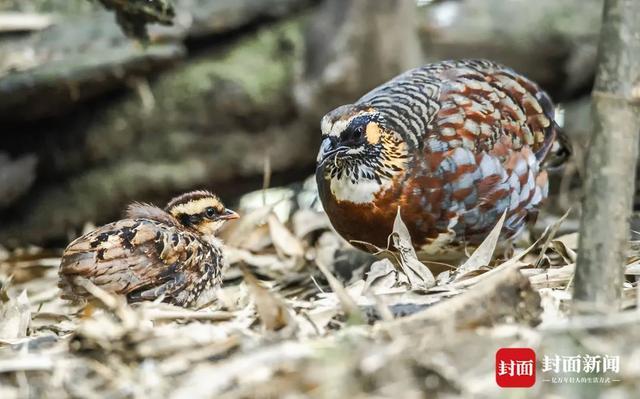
(210, 212)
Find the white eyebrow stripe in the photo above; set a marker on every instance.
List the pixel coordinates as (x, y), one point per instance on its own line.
(338, 127)
(325, 126)
(194, 207)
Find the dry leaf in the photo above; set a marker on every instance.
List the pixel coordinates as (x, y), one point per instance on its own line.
(419, 275)
(26, 363)
(236, 233)
(316, 320)
(515, 262)
(567, 254)
(272, 310)
(483, 254)
(285, 242)
(256, 260)
(553, 278)
(381, 274)
(15, 317)
(633, 268)
(569, 240)
(279, 199)
(550, 232)
(383, 277)
(306, 221)
(349, 306)
(257, 240)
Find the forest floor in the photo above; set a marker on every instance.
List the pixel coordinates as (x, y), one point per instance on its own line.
(297, 316)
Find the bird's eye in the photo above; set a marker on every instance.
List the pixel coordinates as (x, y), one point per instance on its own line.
(357, 133)
(210, 212)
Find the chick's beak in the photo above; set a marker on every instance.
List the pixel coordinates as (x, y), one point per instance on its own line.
(228, 214)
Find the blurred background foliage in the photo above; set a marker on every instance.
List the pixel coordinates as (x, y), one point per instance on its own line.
(92, 119)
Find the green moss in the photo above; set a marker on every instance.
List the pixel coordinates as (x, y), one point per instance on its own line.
(252, 65)
(261, 66)
(68, 7)
(247, 86)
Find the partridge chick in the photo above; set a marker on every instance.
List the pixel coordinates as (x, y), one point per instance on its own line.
(152, 252)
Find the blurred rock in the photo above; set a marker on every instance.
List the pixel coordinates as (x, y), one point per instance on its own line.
(552, 42)
(16, 177)
(58, 86)
(49, 72)
(215, 17)
(185, 109)
(85, 55)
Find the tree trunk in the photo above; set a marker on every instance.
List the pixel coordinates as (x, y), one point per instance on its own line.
(611, 161)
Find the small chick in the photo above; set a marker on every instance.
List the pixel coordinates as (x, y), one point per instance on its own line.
(153, 252)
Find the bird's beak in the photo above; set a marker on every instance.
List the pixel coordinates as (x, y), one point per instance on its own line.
(328, 147)
(228, 214)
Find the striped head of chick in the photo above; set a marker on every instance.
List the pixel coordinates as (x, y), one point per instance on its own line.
(200, 211)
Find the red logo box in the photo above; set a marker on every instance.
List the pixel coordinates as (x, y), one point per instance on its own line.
(515, 367)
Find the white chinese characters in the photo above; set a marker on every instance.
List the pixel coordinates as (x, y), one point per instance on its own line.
(515, 368)
(590, 364)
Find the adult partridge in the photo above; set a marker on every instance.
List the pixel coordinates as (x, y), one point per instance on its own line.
(453, 145)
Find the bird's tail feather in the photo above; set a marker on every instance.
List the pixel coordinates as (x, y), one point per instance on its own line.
(557, 148)
(559, 152)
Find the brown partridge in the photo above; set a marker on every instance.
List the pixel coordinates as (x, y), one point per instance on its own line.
(152, 252)
(453, 144)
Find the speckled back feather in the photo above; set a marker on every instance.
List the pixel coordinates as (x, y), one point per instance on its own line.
(143, 257)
